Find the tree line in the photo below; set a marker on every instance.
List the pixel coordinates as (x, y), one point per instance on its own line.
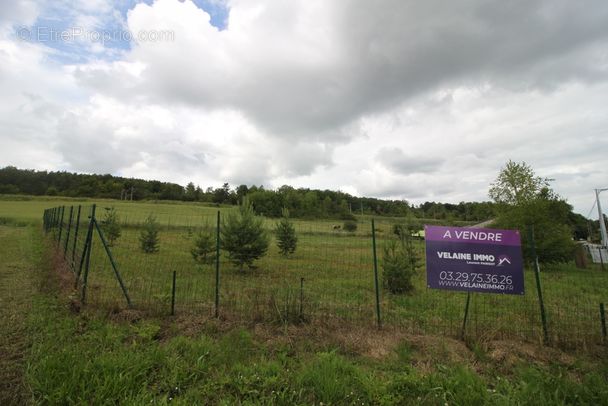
(301, 202)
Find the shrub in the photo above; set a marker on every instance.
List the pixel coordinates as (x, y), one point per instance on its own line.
(399, 263)
(243, 236)
(409, 227)
(350, 226)
(204, 248)
(286, 235)
(148, 238)
(111, 225)
(398, 229)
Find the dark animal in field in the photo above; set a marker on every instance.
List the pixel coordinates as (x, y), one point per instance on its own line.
(337, 227)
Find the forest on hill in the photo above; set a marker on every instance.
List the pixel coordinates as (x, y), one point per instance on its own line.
(301, 202)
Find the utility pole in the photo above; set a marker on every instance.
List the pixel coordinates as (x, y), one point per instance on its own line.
(601, 216)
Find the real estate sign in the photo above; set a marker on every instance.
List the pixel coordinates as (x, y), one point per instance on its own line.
(474, 260)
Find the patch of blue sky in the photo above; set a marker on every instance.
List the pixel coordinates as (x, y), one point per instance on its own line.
(78, 43)
(76, 35)
(217, 9)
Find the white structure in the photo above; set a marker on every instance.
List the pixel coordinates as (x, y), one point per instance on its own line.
(601, 217)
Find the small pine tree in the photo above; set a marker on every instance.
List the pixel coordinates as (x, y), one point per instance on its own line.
(399, 263)
(243, 236)
(111, 225)
(286, 235)
(148, 237)
(204, 248)
(350, 226)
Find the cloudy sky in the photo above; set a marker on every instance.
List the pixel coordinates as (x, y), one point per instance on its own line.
(391, 98)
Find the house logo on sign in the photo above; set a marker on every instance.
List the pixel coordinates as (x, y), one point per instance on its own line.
(503, 259)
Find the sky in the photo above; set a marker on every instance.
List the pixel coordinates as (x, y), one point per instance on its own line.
(397, 99)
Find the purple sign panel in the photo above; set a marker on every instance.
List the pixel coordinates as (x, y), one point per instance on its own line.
(474, 260)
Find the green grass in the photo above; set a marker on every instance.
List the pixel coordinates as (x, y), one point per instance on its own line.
(338, 279)
(85, 358)
(16, 289)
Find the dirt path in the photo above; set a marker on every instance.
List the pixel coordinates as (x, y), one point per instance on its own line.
(18, 259)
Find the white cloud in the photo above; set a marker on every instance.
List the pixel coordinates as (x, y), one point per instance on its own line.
(400, 99)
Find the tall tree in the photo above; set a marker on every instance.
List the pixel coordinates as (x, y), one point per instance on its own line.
(526, 202)
(190, 193)
(516, 184)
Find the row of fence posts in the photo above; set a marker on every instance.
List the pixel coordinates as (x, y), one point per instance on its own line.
(54, 218)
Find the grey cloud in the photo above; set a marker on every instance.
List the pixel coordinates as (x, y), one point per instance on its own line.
(302, 158)
(385, 52)
(92, 144)
(397, 161)
(85, 146)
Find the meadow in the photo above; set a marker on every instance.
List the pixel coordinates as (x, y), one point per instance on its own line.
(330, 277)
(57, 352)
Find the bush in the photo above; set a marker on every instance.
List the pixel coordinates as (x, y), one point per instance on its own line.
(350, 226)
(111, 225)
(409, 227)
(398, 229)
(399, 263)
(148, 238)
(204, 248)
(243, 236)
(286, 235)
(553, 238)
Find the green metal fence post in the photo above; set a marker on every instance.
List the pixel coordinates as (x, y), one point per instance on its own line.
(301, 298)
(67, 234)
(75, 238)
(106, 246)
(603, 321)
(217, 266)
(466, 315)
(539, 290)
(84, 252)
(376, 285)
(173, 295)
(87, 256)
(62, 210)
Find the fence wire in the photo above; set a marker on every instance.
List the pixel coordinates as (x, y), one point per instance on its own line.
(330, 276)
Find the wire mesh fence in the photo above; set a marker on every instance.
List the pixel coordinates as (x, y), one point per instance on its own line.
(329, 276)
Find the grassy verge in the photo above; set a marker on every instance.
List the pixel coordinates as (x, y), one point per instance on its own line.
(90, 358)
(17, 287)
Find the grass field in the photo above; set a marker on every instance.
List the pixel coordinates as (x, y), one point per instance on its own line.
(54, 355)
(330, 276)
